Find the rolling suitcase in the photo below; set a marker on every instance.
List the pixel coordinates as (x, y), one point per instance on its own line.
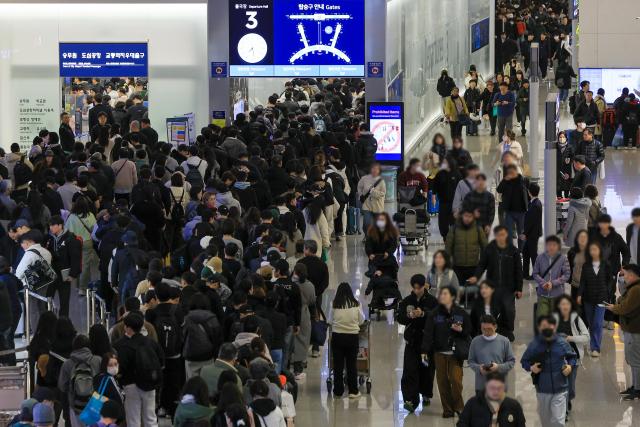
(432, 208)
(352, 220)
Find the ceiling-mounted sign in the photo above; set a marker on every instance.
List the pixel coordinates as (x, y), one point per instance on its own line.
(289, 38)
(104, 59)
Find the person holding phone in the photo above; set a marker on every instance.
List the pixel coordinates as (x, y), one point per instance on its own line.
(550, 359)
(489, 352)
(595, 280)
(417, 374)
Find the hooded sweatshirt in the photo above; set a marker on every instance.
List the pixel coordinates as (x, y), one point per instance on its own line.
(227, 200)
(268, 413)
(577, 218)
(77, 356)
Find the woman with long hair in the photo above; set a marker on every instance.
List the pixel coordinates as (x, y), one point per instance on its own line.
(346, 318)
(571, 328)
(441, 272)
(577, 256)
(41, 343)
(317, 227)
(380, 245)
(81, 222)
(99, 342)
(439, 146)
(194, 404)
(489, 303)
(595, 281)
(231, 407)
(289, 227)
(108, 378)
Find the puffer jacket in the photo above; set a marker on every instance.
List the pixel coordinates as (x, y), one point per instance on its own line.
(613, 248)
(577, 219)
(465, 243)
(594, 288)
(202, 335)
(553, 355)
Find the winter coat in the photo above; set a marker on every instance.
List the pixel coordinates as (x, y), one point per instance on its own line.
(484, 202)
(365, 149)
(125, 175)
(187, 413)
(577, 219)
(553, 356)
(628, 308)
(498, 311)
(66, 251)
(478, 413)
(503, 266)
(234, 147)
(202, 335)
(514, 194)
(437, 335)
(613, 248)
(465, 243)
(444, 186)
(451, 108)
(445, 85)
(579, 332)
(415, 326)
(594, 288)
(318, 231)
(375, 201)
(302, 340)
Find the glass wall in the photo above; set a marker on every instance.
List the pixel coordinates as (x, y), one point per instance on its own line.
(30, 91)
(423, 38)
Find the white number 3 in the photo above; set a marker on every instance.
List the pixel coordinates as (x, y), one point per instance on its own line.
(252, 22)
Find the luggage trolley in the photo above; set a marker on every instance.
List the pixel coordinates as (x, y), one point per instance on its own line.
(363, 362)
(562, 213)
(14, 388)
(413, 225)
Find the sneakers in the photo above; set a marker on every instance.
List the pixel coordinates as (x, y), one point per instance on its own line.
(610, 326)
(315, 354)
(409, 407)
(632, 396)
(627, 391)
(355, 396)
(595, 354)
(300, 377)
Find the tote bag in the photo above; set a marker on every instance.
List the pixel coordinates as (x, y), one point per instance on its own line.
(91, 413)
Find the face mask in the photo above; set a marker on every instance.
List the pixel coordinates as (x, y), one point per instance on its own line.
(295, 278)
(381, 224)
(547, 332)
(490, 338)
(112, 370)
(563, 140)
(444, 166)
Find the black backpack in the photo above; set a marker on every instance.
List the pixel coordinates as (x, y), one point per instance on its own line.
(177, 210)
(22, 173)
(194, 177)
(169, 333)
(81, 385)
(148, 372)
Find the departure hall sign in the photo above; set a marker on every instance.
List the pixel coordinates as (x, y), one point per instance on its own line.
(289, 38)
(104, 60)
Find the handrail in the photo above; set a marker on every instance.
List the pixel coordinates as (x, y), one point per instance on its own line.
(28, 294)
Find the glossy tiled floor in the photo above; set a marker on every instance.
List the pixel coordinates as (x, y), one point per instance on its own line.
(597, 402)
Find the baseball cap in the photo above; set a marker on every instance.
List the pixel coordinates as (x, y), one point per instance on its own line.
(21, 223)
(43, 415)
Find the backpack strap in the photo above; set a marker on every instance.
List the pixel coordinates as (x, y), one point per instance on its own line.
(121, 167)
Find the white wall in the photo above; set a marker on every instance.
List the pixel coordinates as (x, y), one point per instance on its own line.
(609, 34)
(177, 37)
(423, 37)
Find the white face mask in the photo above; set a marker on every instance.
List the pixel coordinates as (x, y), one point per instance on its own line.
(112, 370)
(444, 165)
(490, 338)
(295, 278)
(563, 140)
(381, 224)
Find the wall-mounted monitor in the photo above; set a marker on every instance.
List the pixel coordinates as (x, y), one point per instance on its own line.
(386, 122)
(480, 34)
(612, 80)
(290, 38)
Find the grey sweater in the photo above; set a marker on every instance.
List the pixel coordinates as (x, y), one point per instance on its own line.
(484, 352)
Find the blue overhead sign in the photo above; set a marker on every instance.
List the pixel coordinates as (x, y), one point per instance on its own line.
(103, 60)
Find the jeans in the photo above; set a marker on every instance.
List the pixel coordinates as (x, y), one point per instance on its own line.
(595, 320)
(504, 122)
(510, 218)
(367, 219)
(344, 348)
(140, 404)
(276, 356)
(572, 383)
(632, 357)
(564, 94)
(552, 408)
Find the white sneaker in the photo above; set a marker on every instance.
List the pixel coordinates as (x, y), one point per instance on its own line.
(355, 396)
(595, 354)
(300, 377)
(315, 353)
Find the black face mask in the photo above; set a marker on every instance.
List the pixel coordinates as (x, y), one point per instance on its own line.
(547, 333)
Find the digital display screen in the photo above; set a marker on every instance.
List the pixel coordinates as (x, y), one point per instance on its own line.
(386, 124)
(289, 38)
(612, 80)
(103, 59)
(479, 34)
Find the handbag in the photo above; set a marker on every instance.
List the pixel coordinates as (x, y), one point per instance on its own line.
(325, 255)
(91, 413)
(495, 111)
(39, 274)
(319, 330)
(461, 348)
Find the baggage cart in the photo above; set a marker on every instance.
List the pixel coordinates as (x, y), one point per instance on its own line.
(363, 362)
(14, 388)
(562, 213)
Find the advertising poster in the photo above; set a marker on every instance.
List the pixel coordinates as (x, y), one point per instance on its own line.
(218, 118)
(612, 80)
(177, 130)
(288, 38)
(103, 59)
(386, 124)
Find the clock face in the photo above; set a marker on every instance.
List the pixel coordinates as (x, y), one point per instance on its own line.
(252, 48)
